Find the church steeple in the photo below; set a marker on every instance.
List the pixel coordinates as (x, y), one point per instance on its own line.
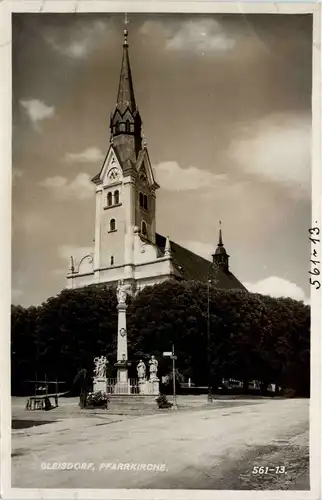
(220, 257)
(125, 96)
(126, 122)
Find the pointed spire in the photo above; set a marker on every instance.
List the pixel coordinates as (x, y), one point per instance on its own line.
(125, 122)
(167, 248)
(125, 96)
(220, 243)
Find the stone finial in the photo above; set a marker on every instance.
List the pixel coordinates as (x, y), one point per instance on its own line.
(167, 248)
(71, 265)
(144, 141)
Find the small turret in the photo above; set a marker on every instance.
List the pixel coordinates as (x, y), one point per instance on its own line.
(167, 248)
(220, 257)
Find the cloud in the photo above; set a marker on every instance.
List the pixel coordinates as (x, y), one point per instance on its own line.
(37, 111)
(174, 178)
(80, 187)
(77, 252)
(205, 35)
(87, 156)
(277, 148)
(278, 287)
(81, 41)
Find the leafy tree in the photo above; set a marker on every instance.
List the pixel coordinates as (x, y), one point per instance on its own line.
(250, 336)
(73, 328)
(23, 347)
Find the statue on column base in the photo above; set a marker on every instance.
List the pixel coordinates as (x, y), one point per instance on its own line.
(153, 368)
(148, 386)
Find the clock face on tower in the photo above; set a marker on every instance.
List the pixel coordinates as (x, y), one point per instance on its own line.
(114, 174)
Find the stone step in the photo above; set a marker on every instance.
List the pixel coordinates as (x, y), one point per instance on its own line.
(132, 399)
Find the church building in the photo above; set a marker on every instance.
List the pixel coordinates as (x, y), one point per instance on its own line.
(127, 245)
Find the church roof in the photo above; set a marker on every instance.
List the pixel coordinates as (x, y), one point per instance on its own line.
(191, 266)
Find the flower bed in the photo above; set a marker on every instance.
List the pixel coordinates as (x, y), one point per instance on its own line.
(98, 399)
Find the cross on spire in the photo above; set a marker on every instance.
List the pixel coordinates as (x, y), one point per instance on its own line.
(126, 22)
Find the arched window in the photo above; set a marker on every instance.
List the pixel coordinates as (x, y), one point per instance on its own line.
(145, 202)
(127, 126)
(112, 225)
(112, 261)
(109, 199)
(143, 228)
(141, 199)
(116, 198)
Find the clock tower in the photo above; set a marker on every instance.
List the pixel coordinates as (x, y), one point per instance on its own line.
(127, 246)
(125, 186)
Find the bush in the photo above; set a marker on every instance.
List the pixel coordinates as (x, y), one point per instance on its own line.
(98, 399)
(163, 402)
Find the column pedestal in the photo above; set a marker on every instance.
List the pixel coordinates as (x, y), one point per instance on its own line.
(122, 385)
(99, 384)
(149, 387)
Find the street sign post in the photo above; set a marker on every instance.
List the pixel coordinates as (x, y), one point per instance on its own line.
(171, 355)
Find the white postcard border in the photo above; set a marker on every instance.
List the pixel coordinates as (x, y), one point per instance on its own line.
(82, 6)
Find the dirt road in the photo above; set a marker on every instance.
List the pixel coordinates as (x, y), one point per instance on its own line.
(208, 448)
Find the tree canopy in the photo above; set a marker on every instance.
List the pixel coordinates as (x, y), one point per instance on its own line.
(250, 336)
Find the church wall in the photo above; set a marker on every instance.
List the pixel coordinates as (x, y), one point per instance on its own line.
(80, 281)
(112, 242)
(111, 274)
(145, 215)
(155, 269)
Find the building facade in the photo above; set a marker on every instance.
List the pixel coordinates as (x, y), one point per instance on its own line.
(127, 245)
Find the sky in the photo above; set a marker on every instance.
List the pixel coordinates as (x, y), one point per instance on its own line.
(226, 107)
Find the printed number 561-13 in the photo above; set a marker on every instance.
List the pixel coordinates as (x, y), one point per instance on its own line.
(278, 469)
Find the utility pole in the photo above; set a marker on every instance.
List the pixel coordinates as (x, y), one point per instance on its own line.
(210, 399)
(174, 379)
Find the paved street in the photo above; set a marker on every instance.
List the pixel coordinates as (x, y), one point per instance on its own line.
(213, 447)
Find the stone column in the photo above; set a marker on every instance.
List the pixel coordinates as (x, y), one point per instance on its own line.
(122, 385)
